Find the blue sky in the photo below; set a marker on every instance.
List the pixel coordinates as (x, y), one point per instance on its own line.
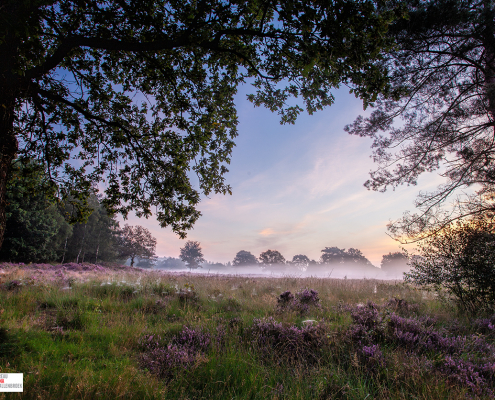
(296, 189)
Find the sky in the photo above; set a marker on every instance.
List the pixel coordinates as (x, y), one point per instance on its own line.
(296, 189)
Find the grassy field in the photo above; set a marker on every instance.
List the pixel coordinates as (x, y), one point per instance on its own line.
(92, 332)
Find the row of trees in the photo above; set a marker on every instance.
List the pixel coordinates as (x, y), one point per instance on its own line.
(191, 256)
(331, 255)
(40, 230)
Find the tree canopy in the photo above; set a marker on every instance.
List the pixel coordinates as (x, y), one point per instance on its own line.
(334, 255)
(137, 94)
(35, 227)
(439, 114)
(192, 254)
(462, 261)
(244, 257)
(391, 259)
(136, 242)
(271, 257)
(301, 262)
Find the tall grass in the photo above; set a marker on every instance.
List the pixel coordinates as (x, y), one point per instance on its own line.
(107, 333)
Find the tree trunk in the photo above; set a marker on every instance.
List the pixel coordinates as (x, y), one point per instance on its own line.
(82, 244)
(65, 248)
(97, 247)
(489, 62)
(8, 152)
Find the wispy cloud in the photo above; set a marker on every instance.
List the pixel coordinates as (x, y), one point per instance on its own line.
(296, 189)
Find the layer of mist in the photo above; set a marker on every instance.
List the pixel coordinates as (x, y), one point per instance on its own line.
(339, 271)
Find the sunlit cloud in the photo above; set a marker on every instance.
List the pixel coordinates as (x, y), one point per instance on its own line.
(267, 232)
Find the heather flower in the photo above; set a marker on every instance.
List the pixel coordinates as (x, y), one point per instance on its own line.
(468, 360)
(309, 297)
(220, 337)
(466, 374)
(401, 305)
(485, 325)
(165, 361)
(372, 356)
(194, 340)
(285, 300)
(289, 343)
(185, 349)
(301, 302)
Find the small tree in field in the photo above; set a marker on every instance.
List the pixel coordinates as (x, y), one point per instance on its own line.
(136, 241)
(461, 260)
(191, 254)
(244, 257)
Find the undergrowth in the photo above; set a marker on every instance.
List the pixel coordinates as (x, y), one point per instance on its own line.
(100, 333)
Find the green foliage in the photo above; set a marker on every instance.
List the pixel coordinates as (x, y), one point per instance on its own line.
(460, 260)
(140, 93)
(391, 259)
(239, 347)
(38, 228)
(395, 263)
(136, 241)
(93, 240)
(35, 227)
(301, 262)
(170, 263)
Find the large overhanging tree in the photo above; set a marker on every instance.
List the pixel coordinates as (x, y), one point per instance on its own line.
(439, 113)
(137, 93)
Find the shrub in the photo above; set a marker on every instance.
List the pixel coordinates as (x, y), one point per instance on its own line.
(288, 343)
(464, 360)
(461, 260)
(185, 350)
(302, 302)
(165, 361)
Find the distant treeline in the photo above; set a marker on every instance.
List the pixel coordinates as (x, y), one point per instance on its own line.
(273, 260)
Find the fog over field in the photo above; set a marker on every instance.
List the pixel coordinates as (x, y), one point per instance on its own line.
(338, 271)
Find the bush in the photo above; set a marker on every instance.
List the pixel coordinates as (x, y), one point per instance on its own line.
(302, 302)
(461, 260)
(291, 344)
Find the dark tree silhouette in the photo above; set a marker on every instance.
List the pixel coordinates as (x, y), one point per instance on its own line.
(395, 263)
(460, 260)
(442, 76)
(142, 92)
(244, 258)
(136, 241)
(36, 230)
(334, 255)
(191, 254)
(271, 257)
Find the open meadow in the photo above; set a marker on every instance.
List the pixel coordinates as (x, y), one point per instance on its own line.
(84, 331)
